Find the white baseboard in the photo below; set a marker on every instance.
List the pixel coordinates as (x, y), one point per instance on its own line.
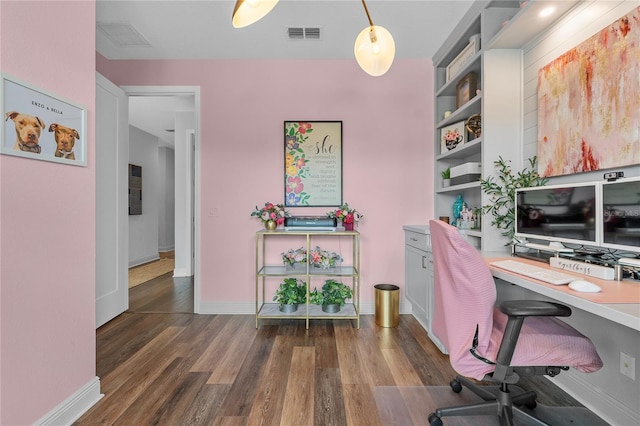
(143, 260)
(602, 404)
(166, 249)
(75, 406)
(181, 272)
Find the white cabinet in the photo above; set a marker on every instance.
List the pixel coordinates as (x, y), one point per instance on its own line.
(419, 281)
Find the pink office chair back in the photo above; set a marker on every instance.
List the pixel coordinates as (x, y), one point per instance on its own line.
(465, 295)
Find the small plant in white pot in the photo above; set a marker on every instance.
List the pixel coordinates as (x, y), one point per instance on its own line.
(291, 293)
(446, 177)
(332, 296)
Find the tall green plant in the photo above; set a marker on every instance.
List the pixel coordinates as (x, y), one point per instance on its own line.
(502, 191)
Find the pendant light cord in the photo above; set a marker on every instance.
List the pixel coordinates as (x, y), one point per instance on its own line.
(367, 12)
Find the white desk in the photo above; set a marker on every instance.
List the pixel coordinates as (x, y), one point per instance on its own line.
(612, 327)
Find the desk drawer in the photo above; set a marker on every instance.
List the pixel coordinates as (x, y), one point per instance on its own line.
(419, 241)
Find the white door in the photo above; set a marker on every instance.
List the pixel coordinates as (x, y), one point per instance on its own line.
(112, 222)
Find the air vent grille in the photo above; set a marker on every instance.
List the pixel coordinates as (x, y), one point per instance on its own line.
(304, 33)
(122, 34)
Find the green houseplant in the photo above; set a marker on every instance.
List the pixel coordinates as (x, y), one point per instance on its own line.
(332, 296)
(502, 190)
(290, 294)
(446, 176)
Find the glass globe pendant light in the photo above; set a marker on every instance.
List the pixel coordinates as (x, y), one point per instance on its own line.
(246, 12)
(374, 48)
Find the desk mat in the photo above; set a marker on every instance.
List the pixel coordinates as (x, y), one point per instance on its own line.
(626, 291)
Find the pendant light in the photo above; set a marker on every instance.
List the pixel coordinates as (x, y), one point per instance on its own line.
(247, 12)
(374, 48)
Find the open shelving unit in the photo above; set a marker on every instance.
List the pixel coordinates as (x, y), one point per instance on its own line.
(308, 273)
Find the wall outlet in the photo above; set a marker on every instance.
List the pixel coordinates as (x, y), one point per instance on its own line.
(628, 365)
(214, 211)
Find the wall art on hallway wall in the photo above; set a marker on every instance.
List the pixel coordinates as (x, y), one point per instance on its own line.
(589, 103)
(41, 126)
(313, 163)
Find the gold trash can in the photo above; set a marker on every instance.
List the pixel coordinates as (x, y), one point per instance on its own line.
(387, 301)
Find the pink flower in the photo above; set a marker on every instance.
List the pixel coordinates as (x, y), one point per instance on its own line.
(294, 184)
(303, 127)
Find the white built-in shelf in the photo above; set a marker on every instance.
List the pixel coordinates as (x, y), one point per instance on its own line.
(468, 149)
(461, 187)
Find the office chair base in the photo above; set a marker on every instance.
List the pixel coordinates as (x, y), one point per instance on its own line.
(500, 404)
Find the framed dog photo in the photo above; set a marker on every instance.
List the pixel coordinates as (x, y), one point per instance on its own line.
(41, 126)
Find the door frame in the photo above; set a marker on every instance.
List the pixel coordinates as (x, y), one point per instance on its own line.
(193, 167)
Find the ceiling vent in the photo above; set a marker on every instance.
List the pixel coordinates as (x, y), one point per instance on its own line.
(122, 35)
(304, 33)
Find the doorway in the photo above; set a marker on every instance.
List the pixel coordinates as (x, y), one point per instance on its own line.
(184, 144)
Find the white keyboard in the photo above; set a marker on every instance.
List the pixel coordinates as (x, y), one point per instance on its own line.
(543, 274)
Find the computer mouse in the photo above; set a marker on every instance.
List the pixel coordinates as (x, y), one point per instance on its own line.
(583, 286)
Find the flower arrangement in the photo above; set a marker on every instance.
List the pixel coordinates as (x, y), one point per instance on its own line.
(346, 214)
(324, 259)
(271, 212)
(293, 257)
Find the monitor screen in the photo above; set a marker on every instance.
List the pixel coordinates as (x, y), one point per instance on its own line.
(565, 213)
(621, 214)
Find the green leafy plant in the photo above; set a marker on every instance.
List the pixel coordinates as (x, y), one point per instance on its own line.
(446, 173)
(291, 292)
(333, 293)
(502, 191)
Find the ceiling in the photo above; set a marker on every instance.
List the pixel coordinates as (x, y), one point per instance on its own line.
(201, 29)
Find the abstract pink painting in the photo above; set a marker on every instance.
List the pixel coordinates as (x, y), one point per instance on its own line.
(589, 103)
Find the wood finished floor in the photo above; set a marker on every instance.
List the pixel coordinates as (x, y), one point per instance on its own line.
(187, 369)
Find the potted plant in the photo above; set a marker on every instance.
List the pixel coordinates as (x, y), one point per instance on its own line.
(446, 177)
(290, 294)
(332, 297)
(348, 216)
(502, 191)
(271, 215)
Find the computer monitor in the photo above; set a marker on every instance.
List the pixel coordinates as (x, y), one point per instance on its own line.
(621, 214)
(565, 213)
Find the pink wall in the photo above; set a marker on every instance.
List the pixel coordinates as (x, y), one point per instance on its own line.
(387, 152)
(47, 221)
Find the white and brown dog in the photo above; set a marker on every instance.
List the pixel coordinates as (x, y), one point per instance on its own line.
(28, 129)
(65, 140)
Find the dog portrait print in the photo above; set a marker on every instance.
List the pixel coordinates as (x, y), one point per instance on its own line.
(28, 129)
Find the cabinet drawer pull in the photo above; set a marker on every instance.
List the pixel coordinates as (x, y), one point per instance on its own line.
(414, 239)
(423, 265)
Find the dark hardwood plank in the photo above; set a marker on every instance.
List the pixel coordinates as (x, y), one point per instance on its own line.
(163, 294)
(187, 369)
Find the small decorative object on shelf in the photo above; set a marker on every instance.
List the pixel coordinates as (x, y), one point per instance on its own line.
(291, 293)
(466, 89)
(446, 177)
(466, 218)
(271, 215)
(458, 205)
(347, 215)
(324, 259)
(295, 259)
(474, 125)
(332, 297)
(452, 136)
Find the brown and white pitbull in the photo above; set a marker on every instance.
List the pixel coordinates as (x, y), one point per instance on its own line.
(28, 129)
(65, 140)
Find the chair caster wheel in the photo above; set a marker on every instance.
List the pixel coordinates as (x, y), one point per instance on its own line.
(456, 386)
(434, 420)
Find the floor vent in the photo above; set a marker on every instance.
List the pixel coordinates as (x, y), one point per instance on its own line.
(304, 33)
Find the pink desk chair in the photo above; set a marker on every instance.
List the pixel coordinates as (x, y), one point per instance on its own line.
(521, 338)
